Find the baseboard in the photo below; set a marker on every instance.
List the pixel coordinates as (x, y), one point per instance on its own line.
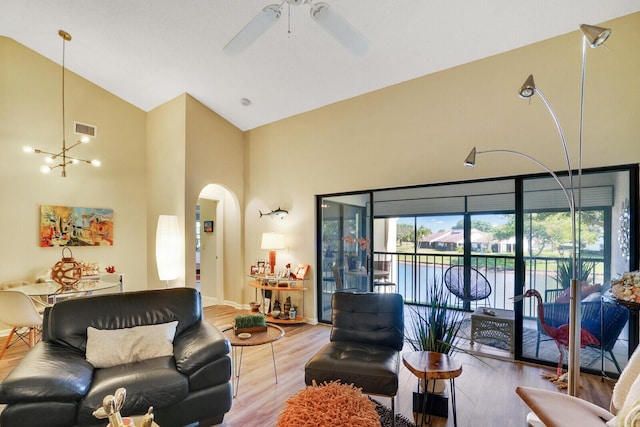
(208, 301)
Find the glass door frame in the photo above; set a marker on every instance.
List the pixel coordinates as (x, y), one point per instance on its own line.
(349, 250)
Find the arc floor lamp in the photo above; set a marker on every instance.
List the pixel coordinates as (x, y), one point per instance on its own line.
(593, 36)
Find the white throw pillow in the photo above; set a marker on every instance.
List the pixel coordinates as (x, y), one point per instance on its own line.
(111, 347)
(627, 379)
(629, 414)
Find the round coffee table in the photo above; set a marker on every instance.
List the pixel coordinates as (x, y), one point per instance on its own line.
(430, 365)
(272, 334)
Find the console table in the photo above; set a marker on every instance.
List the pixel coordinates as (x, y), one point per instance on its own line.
(298, 287)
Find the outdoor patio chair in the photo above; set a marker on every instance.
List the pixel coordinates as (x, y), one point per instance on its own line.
(337, 276)
(381, 282)
(479, 287)
(615, 318)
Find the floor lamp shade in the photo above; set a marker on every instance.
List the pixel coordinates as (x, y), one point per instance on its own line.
(167, 247)
(271, 242)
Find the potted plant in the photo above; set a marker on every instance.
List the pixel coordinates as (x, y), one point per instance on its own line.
(433, 327)
(249, 323)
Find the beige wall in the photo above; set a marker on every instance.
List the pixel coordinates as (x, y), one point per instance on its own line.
(420, 131)
(30, 114)
(214, 156)
(416, 132)
(166, 130)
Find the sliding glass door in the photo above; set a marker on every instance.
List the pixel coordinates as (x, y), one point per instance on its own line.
(603, 242)
(344, 257)
(516, 233)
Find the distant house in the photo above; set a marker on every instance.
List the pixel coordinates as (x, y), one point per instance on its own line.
(451, 240)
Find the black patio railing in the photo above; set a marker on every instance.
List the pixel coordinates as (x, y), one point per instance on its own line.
(414, 272)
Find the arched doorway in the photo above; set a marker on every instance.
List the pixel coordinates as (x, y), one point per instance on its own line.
(217, 209)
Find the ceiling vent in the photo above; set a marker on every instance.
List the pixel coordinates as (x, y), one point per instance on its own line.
(85, 129)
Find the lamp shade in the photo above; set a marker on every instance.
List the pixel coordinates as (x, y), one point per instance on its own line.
(528, 88)
(272, 241)
(595, 35)
(470, 161)
(168, 247)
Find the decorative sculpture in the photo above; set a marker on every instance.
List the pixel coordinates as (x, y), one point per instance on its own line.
(111, 405)
(560, 334)
(66, 272)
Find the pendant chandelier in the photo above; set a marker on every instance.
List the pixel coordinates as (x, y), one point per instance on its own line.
(62, 158)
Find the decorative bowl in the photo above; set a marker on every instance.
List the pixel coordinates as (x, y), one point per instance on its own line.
(275, 313)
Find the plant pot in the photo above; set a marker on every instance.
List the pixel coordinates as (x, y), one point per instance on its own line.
(437, 404)
(438, 389)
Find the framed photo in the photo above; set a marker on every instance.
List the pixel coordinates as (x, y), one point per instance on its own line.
(260, 263)
(301, 271)
(261, 269)
(254, 270)
(208, 226)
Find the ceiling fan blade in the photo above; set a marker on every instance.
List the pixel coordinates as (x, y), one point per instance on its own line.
(254, 29)
(339, 28)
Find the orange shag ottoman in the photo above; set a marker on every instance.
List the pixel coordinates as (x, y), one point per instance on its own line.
(330, 404)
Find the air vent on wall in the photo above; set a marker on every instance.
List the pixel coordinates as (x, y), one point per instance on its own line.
(85, 129)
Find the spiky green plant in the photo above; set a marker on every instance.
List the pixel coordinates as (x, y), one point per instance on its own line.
(565, 271)
(434, 327)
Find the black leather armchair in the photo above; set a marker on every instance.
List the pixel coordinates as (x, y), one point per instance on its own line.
(366, 338)
(55, 386)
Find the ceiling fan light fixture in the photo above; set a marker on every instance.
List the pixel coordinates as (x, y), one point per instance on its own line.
(339, 28)
(253, 30)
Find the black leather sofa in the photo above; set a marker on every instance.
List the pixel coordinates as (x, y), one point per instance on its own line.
(55, 386)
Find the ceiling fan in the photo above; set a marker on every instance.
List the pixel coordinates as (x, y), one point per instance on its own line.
(322, 13)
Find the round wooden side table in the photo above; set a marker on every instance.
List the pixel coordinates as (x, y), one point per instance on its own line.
(272, 334)
(430, 365)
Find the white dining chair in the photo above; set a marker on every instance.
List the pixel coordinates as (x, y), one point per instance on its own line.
(15, 285)
(19, 312)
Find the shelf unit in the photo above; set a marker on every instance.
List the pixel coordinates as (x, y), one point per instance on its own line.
(256, 283)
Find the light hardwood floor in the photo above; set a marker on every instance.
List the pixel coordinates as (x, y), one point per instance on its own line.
(485, 390)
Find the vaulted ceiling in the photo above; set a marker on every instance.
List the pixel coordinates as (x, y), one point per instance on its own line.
(149, 51)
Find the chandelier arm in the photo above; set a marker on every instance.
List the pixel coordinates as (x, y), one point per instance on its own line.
(64, 142)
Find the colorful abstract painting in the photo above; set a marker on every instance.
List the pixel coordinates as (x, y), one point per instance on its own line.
(69, 226)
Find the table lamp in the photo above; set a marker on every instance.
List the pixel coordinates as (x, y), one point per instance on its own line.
(271, 242)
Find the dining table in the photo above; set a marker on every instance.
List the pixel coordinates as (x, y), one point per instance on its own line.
(53, 291)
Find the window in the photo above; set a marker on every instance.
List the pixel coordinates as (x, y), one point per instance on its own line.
(515, 231)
